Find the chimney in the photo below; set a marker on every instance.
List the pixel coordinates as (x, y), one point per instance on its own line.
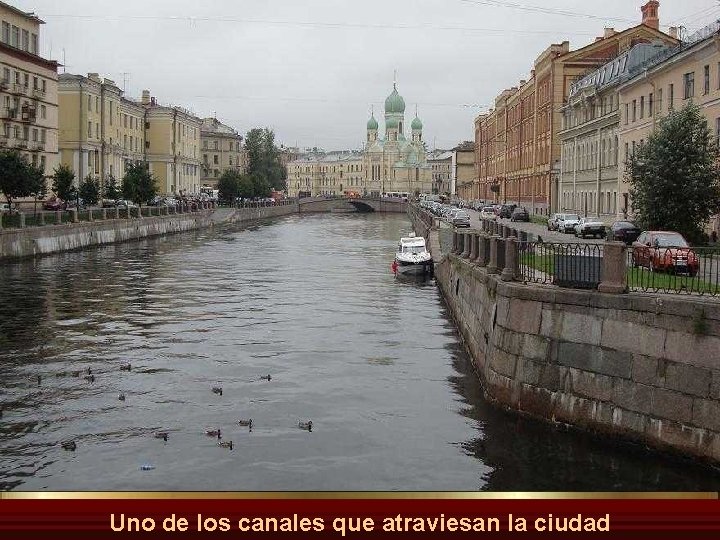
(650, 14)
(609, 32)
(673, 31)
(145, 97)
(599, 38)
(94, 77)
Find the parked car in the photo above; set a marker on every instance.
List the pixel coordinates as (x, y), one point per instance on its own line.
(506, 211)
(109, 203)
(567, 223)
(553, 220)
(4, 207)
(76, 203)
(124, 203)
(54, 204)
(488, 212)
(461, 219)
(590, 226)
(624, 231)
(664, 251)
(520, 214)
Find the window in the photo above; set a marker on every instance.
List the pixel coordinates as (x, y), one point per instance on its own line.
(671, 97)
(97, 104)
(689, 85)
(659, 100)
(27, 80)
(215, 159)
(44, 85)
(642, 106)
(89, 132)
(89, 104)
(43, 112)
(35, 83)
(34, 134)
(97, 131)
(43, 135)
(25, 40)
(42, 163)
(717, 129)
(15, 37)
(634, 110)
(111, 113)
(5, 32)
(706, 80)
(6, 75)
(34, 43)
(651, 111)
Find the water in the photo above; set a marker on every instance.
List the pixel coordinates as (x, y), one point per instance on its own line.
(375, 363)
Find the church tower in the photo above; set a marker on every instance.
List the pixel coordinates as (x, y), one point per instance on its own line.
(394, 116)
(372, 129)
(416, 127)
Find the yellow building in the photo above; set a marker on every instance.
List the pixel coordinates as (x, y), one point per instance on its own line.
(222, 150)
(28, 90)
(334, 173)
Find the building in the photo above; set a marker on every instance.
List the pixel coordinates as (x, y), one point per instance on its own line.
(518, 148)
(441, 167)
(464, 170)
(689, 72)
(394, 164)
(222, 150)
(101, 131)
(589, 166)
(333, 173)
(28, 90)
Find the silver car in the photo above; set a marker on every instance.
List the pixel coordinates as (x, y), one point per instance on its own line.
(461, 219)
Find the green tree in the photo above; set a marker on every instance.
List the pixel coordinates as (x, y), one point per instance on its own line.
(112, 191)
(37, 183)
(675, 176)
(138, 184)
(63, 183)
(246, 187)
(229, 186)
(90, 190)
(14, 176)
(264, 160)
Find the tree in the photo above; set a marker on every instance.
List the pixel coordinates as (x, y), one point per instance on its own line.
(229, 186)
(246, 187)
(112, 191)
(675, 176)
(90, 190)
(63, 183)
(14, 176)
(37, 183)
(138, 184)
(264, 159)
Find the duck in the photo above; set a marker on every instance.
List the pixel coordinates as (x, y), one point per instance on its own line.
(1, 411)
(61, 374)
(162, 435)
(224, 444)
(217, 390)
(89, 371)
(266, 378)
(121, 397)
(75, 374)
(214, 433)
(126, 367)
(246, 423)
(69, 445)
(307, 426)
(39, 379)
(90, 378)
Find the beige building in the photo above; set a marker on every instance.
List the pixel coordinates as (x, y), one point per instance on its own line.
(464, 170)
(673, 78)
(28, 90)
(441, 166)
(222, 150)
(589, 168)
(334, 173)
(518, 148)
(101, 132)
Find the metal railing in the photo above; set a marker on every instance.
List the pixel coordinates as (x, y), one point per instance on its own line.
(674, 270)
(571, 265)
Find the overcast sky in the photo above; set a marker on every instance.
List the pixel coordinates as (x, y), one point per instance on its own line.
(312, 69)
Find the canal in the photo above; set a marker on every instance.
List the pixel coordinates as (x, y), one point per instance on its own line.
(376, 364)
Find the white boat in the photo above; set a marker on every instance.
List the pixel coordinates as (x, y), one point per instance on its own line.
(412, 257)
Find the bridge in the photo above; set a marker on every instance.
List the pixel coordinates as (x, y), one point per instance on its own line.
(359, 204)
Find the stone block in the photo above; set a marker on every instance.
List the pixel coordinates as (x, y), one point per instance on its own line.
(525, 316)
(699, 351)
(671, 405)
(579, 328)
(551, 377)
(592, 385)
(706, 414)
(536, 401)
(715, 385)
(595, 359)
(633, 338)
(503, 363)
(528, 372)
(535, 347)
(646, 370)
(551, 323)
(632, 396)
(688, 379)
(503, 309)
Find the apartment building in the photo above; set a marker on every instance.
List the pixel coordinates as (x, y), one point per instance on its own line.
(222, 150)
(518, 148)
(441, 167)
(28, 90)
(334, 173)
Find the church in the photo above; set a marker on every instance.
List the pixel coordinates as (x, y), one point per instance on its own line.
(394, 164)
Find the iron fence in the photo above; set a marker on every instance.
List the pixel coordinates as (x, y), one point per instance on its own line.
(572, 265)
(674, 270)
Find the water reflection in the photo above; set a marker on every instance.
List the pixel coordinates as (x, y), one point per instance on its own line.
(372, 360)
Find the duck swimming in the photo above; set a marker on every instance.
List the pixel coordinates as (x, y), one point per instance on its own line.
(307, 426)
(121, 397)
(217, 390)
(39, 379)
(246, 423)
(214, 433)
(266, 378)
(90, 378)
(69, 445)
(162, 435)
(227, 444)
(126, 367)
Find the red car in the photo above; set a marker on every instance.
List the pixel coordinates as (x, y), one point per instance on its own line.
(54, 204)
(665, 251)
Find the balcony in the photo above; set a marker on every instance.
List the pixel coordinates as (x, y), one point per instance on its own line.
(37, 146)
(28, 114)
(18, 89)
(4, 85)
(8, 113)
(38, 93)
(22, 143)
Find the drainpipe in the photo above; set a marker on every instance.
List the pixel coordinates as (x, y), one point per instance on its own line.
(575, 162)
(599, 173)
(80, 133)
(102, 137)
(175, 172)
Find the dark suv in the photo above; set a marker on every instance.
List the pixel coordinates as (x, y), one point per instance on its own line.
(520, 214)
(506, 211)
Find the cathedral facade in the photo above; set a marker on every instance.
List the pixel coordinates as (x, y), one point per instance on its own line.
(394, 163)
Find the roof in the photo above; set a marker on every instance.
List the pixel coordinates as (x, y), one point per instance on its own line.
(213, 127)
(28, 15)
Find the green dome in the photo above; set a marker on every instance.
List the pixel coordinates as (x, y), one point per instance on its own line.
(394, 102)
(416, 124)
(392, 123)
(372, 123)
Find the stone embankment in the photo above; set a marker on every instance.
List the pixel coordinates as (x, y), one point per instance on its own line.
(638, 367)
(33, 241)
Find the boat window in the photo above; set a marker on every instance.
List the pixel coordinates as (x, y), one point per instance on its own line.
(414, 249)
